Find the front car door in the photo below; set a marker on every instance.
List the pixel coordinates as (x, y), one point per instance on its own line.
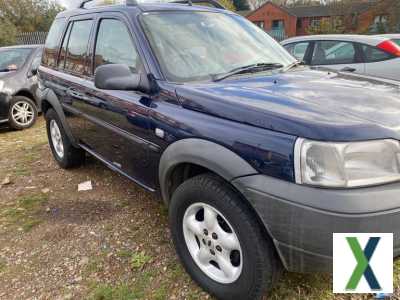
(299, 50)
(338, 55)
(117, 125)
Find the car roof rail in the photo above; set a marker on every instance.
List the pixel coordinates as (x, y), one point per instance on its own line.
(127, 2)
(213, 3)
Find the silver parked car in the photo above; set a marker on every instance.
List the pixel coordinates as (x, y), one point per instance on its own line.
(377, 56)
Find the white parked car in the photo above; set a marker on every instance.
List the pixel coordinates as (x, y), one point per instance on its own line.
(377, 56)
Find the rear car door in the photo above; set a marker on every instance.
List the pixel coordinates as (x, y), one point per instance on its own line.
(382, 62)
(73, 71)
(117, 125)
(338, 55)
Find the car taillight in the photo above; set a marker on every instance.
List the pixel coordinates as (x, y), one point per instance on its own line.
(390, 47)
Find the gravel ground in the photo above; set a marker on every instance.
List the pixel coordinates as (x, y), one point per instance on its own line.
(111, 242)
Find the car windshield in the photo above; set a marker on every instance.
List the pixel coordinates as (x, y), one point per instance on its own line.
(13, 59)
(397, 41)
(195, 46)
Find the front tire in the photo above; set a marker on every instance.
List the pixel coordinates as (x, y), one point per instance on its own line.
(66, 155)
(219, 241)
(22, 113)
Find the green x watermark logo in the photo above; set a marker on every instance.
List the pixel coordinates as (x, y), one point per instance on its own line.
(363, 263)
(363, 267)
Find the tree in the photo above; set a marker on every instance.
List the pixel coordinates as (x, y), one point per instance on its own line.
(241, 4)
(8, 33)
(228, 4)
(29, 15)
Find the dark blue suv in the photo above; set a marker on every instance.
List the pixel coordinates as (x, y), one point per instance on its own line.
(258, 158)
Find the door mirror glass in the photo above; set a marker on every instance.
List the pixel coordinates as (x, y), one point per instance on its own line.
(116, 77)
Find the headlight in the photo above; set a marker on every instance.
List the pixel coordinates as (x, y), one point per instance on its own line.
(1, 85)
(347, 164)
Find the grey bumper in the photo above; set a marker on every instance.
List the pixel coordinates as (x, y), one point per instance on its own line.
(301, 219)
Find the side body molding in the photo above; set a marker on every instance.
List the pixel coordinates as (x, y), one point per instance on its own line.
(49, 96)
(212, 156)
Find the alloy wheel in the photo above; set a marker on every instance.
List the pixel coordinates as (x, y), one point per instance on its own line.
(23, 113)
(212, 243)
(56, 138)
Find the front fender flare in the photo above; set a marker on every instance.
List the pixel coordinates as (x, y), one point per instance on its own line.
(210, 155)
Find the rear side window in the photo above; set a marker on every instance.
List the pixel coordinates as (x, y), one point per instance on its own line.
(78, 46)
(298, 50)
(52, 43)
(114, 45)
(63, 51)
(333, 53)
(373, 54)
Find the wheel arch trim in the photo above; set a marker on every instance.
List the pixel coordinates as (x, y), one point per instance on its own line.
(207, 154)
(50, 97)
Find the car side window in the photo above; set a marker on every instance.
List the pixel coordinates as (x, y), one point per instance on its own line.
(373, 54)
(298, 50)
(52, 43)
(63, 51)
(333, 53)
(114, 45)
(78, 46)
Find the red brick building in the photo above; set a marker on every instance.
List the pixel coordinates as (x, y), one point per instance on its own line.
(358, 17)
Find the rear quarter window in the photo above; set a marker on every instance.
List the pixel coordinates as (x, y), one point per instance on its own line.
(298, 50)
(50, 52)
(373, 54)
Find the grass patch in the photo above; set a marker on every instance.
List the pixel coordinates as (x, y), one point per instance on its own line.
(108, 292)
(124, 254)
(161, 293)
(95, 265)
(139, 260)
(2, 266)
(24, 214)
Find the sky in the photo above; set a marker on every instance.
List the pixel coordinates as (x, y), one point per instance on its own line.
(69, 3)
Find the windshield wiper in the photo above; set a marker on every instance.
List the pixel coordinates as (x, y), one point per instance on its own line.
(294, 65)
(248, 69)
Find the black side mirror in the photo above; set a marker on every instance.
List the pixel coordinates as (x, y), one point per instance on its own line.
(34, 71)
(117, 77)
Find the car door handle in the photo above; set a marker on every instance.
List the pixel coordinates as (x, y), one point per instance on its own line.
(348, 69)
(76, 95)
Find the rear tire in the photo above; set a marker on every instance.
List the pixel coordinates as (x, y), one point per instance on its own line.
(66, 155)
(250, 258)
(22, 113)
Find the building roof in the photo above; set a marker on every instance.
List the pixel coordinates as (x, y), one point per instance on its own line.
(328, 10)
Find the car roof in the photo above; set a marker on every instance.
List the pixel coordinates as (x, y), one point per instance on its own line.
(390, 35)
(145, 7)
(372, 40)
(22, 47)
